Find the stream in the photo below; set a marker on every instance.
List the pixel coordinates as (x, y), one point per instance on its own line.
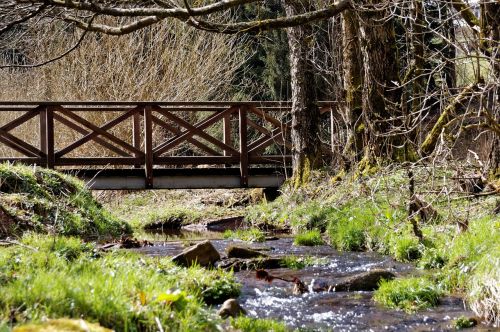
(325, 311)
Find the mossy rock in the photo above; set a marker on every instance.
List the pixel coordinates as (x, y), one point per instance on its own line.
(46, 201)
(62, 325)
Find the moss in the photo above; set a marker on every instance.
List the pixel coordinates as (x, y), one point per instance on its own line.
(302, 174)
(62, 325)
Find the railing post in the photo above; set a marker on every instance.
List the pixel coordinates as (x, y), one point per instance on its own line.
(136, 134)
(332, 134)
(43, 135)
(47, 136)
(243, 147)
(226, 124)
(148, 147)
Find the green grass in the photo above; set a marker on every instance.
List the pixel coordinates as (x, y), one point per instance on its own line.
(463, 322)
(348, 228)
(309, 238)
(248, 324)
(297, 263)
(406, 248)
(249, 235)
(65, 277)
(300, 216)
(45, 201)
(410, 294)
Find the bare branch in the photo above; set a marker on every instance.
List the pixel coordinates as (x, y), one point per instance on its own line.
(22, 19)
(74, 47)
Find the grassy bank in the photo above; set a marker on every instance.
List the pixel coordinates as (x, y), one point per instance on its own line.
(44, 201)
(460, 249)
(166, 209)
(65, 277)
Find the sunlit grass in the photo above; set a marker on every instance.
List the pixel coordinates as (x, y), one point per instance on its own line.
(64, 277)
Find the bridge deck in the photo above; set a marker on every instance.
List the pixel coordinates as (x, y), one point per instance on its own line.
(181, 178)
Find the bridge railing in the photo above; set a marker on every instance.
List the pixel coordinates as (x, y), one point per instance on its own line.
(147, 135)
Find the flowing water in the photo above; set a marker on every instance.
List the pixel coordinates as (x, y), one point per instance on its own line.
(327, 311)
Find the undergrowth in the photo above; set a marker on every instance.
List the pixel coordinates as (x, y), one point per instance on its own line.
(55, 277)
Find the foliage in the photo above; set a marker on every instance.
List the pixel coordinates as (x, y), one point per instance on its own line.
(46, 201)
(433, 258)
(309, 238)
(248, 324)
(409, 294)
(249, 235)
(123, 291)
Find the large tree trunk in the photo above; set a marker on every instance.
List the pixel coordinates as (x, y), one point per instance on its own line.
(306, 146)
(353, 84)
(490, 27)
(381, 92)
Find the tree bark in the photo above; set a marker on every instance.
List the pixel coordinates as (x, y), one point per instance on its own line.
(306, 146)
(490, 28)
(381, 92)
(353, 84)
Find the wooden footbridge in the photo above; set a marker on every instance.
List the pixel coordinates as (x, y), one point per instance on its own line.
(141, 145)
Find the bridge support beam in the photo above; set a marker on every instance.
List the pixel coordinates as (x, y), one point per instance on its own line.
(148, 146)
(243, 147)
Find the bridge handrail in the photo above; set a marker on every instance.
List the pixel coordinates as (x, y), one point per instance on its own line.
(139, 148)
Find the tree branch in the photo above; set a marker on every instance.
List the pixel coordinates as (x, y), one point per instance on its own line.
(74, 47)
(23, 19)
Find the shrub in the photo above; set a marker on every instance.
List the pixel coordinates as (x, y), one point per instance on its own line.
(309, 238)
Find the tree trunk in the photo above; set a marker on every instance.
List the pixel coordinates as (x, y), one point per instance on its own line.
(306, 148)
(353, 84)
(490, 27)
(381, 92)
